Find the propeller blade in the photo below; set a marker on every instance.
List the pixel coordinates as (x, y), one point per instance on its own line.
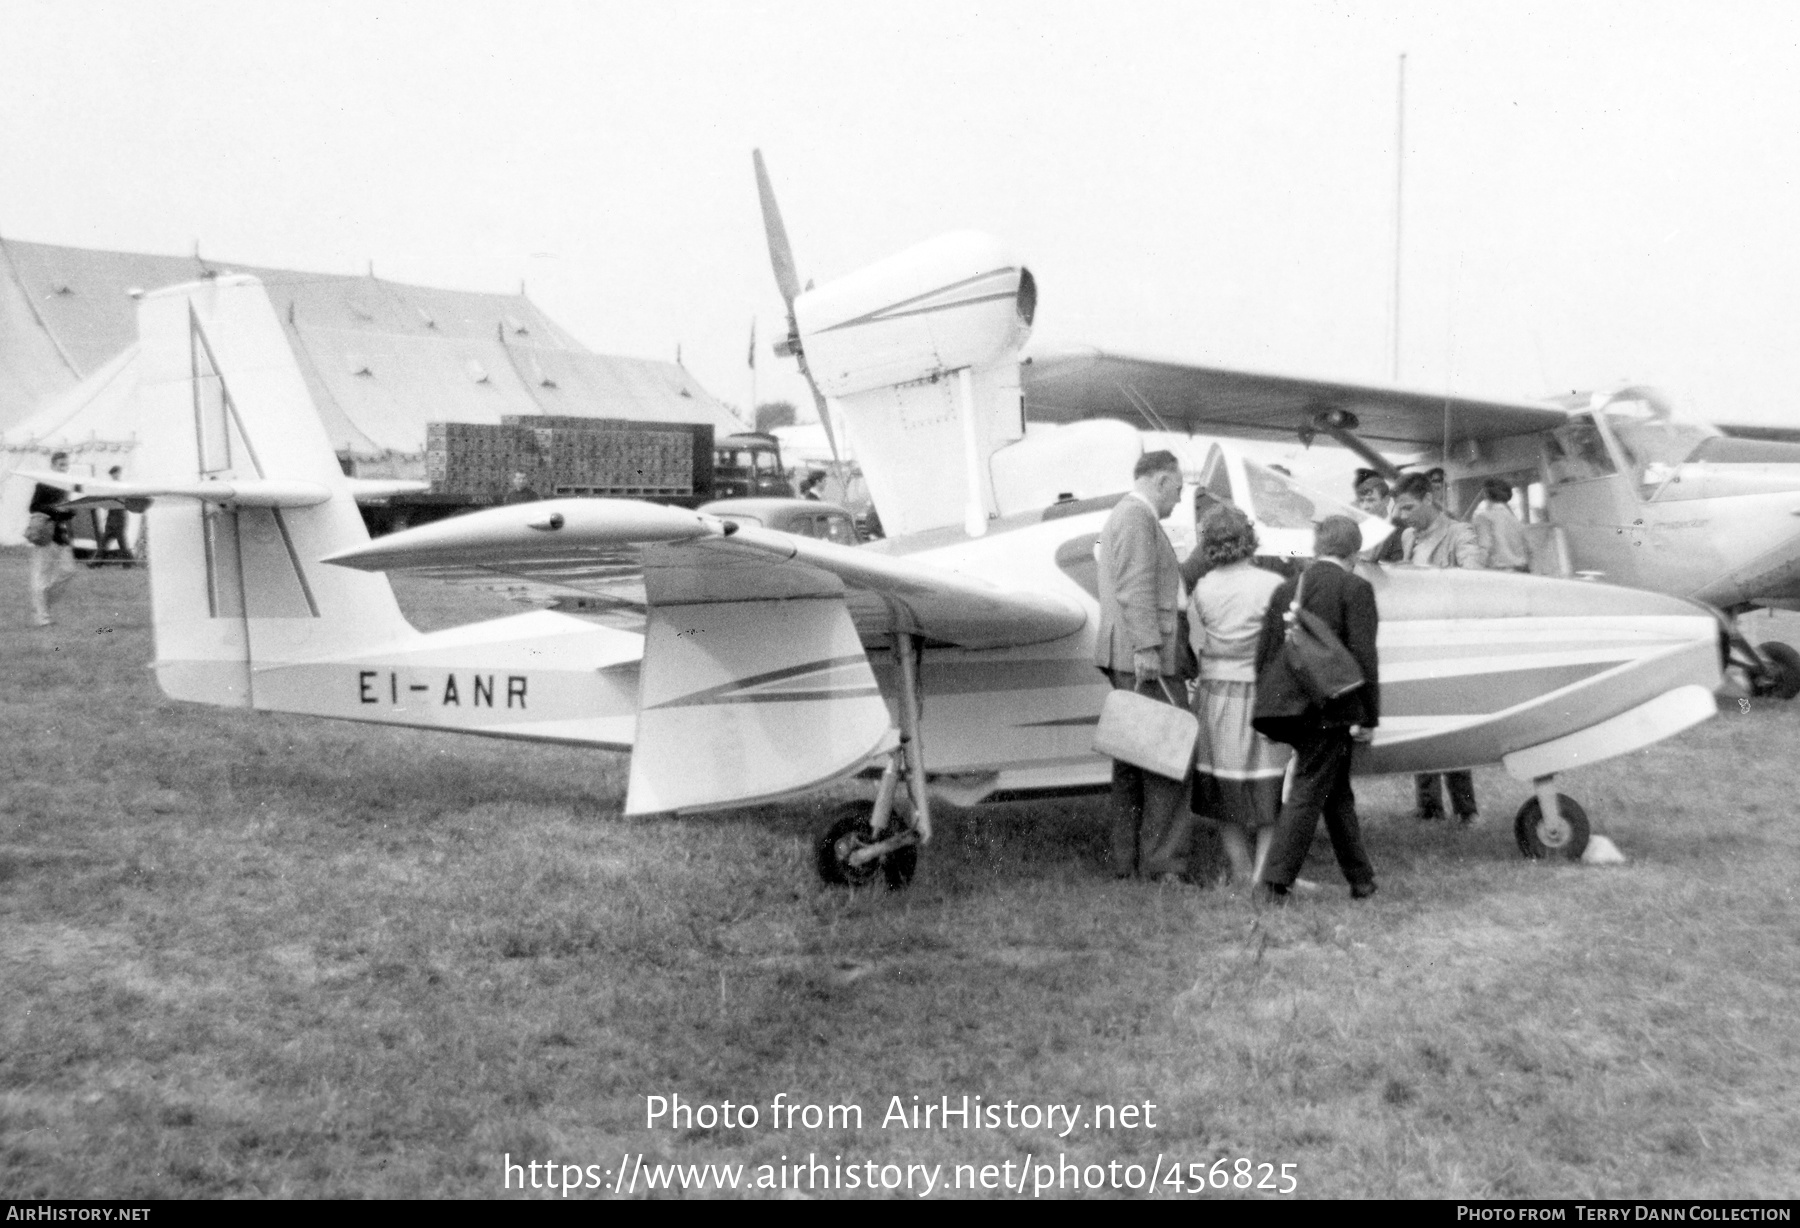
(824, 415)
(787, 278)
(781, 255)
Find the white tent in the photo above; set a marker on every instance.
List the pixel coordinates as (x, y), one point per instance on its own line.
(381, 360)
(95, 422)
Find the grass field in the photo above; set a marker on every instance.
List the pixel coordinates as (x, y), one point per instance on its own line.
(248, 955)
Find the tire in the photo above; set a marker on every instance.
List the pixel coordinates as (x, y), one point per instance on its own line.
(1783, 676)
(1528, 828)
(848, 832)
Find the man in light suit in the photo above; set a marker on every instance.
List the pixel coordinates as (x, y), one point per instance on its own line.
(1138, 648)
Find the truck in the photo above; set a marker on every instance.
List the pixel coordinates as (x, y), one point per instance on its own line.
(748, 466)
(469, 465)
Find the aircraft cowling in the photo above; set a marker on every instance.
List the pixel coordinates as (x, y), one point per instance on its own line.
(960, 300)
(921, 354)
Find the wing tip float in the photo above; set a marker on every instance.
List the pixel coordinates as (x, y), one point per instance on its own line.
(524, 529)
(691, 557)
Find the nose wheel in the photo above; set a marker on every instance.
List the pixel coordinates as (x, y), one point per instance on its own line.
(1551, 824)
(851, 854)
(1782, 678)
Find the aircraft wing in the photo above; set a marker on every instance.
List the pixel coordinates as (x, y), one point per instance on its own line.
(1158, 395)
(689, 558)
(1763, 434)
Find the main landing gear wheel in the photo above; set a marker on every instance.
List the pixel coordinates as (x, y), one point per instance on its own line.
(1538, 840)
(850, 832)
(1783, 678)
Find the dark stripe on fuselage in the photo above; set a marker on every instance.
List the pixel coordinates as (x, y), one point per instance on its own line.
(730, 692)
(1462, 695)
(975, 677)
(1485, 693)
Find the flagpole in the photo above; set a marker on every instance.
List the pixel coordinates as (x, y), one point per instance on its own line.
(1399, 188)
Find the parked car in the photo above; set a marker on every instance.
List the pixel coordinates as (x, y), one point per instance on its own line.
(801, 517)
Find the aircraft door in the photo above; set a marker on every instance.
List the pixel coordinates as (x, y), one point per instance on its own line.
(1592, 501)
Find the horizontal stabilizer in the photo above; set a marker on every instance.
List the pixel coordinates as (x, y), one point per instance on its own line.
(238, 492)
(367, 490)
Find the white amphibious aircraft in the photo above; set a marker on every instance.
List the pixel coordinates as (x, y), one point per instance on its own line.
(1635, 494)
(956, 655)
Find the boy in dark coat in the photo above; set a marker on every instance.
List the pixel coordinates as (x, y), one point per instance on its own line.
(1327, 734)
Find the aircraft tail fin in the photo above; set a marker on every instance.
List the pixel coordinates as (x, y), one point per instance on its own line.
(247, 497)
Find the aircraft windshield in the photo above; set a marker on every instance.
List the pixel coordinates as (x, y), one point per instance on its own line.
(1285, 513)
(1653, 440)
(1276, 502)
(1577, 452)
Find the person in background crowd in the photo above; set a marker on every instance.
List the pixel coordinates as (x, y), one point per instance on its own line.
(112, 532)
(1137, 648)
(1237, 771)
(519, 491)
(1345, 601)
(809, 485)
(1433, 539)
(1440, 492)
(1501, 535)
(1373, 498)
(53, 559)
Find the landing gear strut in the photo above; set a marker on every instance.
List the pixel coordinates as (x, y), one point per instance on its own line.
(1772, 667)
(885, 838)
(1551, 824)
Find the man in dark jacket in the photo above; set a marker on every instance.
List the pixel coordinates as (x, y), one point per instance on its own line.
(1327, 734)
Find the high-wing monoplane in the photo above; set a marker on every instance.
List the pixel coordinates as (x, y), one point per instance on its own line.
(1630, 491)
(955, 656)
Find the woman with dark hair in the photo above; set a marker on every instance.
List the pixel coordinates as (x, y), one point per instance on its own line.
(1237, 771)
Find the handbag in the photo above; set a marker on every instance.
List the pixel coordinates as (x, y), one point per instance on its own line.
(1320, 663)
(1311, 667)
(40, 530)
(1148, 733)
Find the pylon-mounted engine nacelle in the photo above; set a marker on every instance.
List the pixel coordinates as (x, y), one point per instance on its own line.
(960, 300)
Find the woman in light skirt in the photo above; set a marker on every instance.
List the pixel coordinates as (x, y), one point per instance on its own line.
(1237, 771)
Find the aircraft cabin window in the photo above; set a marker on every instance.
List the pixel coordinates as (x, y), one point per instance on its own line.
(1577, 453)
(1276, 502)
(1655, 445)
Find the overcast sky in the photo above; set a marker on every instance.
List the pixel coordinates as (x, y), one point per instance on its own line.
(1594, 192)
